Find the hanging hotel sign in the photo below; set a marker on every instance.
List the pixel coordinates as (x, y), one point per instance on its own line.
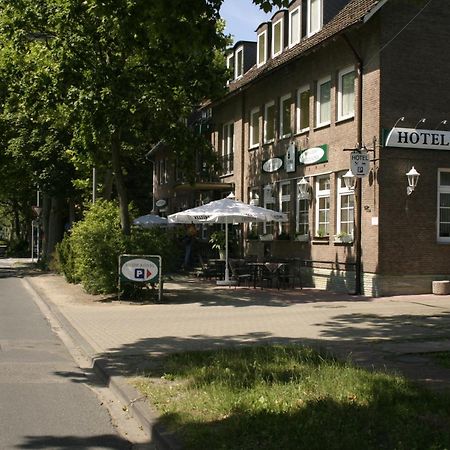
(314, 155)
(272, 165)
(413, 138)
(289, 158)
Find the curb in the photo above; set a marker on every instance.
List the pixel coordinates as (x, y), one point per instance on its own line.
(127, 394)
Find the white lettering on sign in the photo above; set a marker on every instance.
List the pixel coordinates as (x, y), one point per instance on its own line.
(359, 163)
(412, 138)
(140, 270)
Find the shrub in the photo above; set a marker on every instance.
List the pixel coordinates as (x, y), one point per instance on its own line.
(96, 242)
(63, 260)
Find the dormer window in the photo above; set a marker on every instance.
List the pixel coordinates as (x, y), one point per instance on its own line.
(262, 48)
(277, 38)
(230, 65)
(239, 62)
(294, 27)
(315, 13)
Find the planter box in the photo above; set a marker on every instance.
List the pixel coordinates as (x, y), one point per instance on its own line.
(302, 238)
(344, 239)
(266, 237)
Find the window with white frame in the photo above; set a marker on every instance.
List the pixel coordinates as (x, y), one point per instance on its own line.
(269, 122)
(239, 62)
(294, 27)
(314, 20)
(228, 148)
(277, 37)
(285, 116)
(285, 205)
(261, 49)
(346, 93)
(269, 203)
(345, 208)
(303, 109)
(230, 65)
(302, 216)
(323, 102)
(322, 225)
(254, 128)
(443, 205)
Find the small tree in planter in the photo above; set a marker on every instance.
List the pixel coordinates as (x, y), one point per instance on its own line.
(217, 239)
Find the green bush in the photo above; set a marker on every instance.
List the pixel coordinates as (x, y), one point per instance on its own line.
(89, 254)
(96, 243)
(63, 260)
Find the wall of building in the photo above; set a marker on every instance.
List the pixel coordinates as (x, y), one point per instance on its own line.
(414, 85)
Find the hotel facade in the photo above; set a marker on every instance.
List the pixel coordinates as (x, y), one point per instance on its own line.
(337, 115)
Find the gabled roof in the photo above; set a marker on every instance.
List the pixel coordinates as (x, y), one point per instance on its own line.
(354, 12)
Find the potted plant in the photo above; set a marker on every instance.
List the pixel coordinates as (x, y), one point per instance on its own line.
(302, 237)
(217, 239)
(283, 236)
(344, 237)
(252, 235)
(321, 235)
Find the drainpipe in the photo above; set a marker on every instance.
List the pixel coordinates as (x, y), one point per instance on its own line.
(358, 186)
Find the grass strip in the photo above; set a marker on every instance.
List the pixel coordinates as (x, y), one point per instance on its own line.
(291, 397)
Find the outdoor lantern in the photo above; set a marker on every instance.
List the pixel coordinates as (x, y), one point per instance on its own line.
(413, 178)
(254, 201)
(349, 180)
(303, 189)
(268, 192)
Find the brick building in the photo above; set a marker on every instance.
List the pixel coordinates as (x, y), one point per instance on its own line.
(326, 77)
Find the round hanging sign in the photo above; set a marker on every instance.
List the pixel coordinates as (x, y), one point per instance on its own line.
(272, 165)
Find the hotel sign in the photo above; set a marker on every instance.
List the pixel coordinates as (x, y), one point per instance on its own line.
(413, 138)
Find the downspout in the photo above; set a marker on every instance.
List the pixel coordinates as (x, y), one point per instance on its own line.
(358, 186)
(242, 145)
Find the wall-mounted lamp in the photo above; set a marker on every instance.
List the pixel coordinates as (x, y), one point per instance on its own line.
(254, 200)
(423, 120)
(349, 180)
(442, 122)
(413, 178)
(304, 189)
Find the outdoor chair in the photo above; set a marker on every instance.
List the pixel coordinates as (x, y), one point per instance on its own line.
(271, 273)
(240, 272)
(205, 270)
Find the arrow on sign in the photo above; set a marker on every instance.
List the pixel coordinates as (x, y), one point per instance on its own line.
(149, 274)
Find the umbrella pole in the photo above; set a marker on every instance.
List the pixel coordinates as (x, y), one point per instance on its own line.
(227, 274)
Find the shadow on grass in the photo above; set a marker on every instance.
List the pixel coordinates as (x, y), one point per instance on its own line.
(108, 441)
(369, 411)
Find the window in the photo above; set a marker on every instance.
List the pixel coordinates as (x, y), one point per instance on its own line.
(269, 122)
(285, 116)
(345, 208)
(254, 128)
(269, 203)
(302, 218)
(303, 109)
(323, 102)
(294, 27)
(322, 206)
(314, 16)
(228, 148)
(277, 38)
(262, 48)
(230, 65)
(346, 94)
(285, 204)
(444, 205)
(239, 62)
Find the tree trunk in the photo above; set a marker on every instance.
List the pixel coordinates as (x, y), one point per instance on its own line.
(55, 230)
(108, 185)
(120, 183)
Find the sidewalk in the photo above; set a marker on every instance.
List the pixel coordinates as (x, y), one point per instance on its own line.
(392, 332)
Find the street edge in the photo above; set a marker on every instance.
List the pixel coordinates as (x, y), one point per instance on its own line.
(127, 394)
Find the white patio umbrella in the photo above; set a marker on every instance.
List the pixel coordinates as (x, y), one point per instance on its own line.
(227, 210)
(150, 221)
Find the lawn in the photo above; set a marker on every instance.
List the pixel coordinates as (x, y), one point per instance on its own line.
(291, 397)
(442, 358)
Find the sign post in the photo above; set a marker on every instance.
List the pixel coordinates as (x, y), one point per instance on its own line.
(141, 270)
(359, 163)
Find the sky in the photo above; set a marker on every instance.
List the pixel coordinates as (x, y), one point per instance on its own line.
(242, 17)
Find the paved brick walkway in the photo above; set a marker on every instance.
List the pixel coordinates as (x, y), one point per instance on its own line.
(198, 315)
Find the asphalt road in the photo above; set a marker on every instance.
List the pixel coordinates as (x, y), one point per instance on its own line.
(45, 399)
